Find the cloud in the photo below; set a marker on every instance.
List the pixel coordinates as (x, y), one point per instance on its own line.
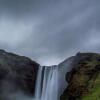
(49, 31)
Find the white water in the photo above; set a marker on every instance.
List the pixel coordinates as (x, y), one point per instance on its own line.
(47, 84)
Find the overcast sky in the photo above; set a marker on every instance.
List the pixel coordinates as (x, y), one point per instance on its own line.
(49, 31)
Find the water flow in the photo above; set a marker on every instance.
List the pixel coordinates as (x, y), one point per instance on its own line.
(47, 83)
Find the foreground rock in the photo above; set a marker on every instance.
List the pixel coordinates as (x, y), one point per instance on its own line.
(84, 78)
(17, 73)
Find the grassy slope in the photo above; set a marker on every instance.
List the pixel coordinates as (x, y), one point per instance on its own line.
(85, 81)
(95, 91)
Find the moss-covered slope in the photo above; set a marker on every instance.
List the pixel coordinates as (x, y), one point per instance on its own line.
(84, 79)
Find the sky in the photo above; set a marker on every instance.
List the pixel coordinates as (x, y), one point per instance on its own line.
(49, 31)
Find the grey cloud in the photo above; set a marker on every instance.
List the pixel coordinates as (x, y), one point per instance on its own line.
(53, 29)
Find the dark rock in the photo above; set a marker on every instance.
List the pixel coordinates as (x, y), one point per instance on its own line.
(17, 73)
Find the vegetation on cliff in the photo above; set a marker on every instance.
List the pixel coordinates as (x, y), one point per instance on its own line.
(84, 79)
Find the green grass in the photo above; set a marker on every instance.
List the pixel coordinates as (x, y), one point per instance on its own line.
(95, 95)
(95, 91)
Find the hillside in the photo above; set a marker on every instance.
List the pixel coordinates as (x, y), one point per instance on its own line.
(84, 79)
(17, 73)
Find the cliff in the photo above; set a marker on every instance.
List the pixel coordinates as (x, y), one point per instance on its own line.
(84, 79)
(17, 73)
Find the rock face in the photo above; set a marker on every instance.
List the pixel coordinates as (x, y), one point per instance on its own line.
(17, 73)
(84, 78)
(64, 67)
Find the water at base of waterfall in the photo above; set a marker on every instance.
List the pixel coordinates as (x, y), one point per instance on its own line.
(47, 83)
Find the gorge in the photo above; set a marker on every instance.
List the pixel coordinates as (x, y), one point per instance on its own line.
(76, 78)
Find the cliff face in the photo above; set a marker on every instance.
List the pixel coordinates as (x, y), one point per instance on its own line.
(17, 73)
(84, 78)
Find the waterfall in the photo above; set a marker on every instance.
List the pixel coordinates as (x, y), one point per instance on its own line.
(51, 82)
(47, 83)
